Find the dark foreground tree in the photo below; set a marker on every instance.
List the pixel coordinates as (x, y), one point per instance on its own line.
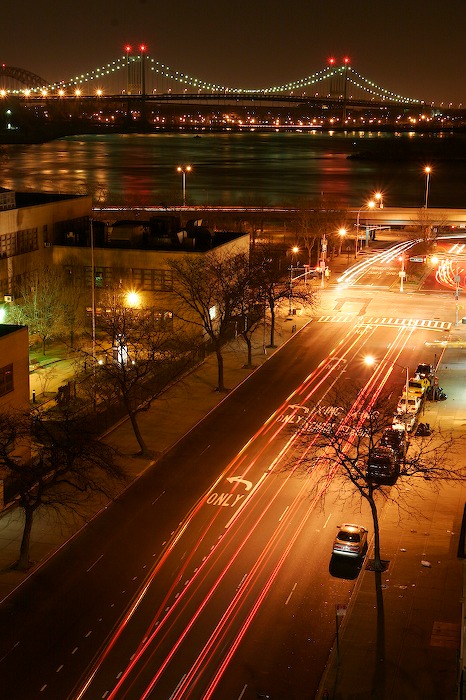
(63, 466)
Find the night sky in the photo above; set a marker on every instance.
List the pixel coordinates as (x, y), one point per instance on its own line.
(415, 48)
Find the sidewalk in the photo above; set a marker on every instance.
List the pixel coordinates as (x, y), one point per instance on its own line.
(411, 649)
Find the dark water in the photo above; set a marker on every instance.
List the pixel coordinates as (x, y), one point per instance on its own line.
(241, 168)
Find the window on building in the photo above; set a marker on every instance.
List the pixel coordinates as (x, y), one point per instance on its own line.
(6, 379)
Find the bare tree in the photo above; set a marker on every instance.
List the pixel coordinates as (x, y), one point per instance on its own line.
(273, 286)
(73, 314)
(67, 467)
(135, 357)
(344, 441)
(209, 290)
(317, 221)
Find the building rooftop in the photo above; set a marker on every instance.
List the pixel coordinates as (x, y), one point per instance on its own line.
(7, 328)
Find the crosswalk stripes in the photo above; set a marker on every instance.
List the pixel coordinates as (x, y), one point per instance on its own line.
(388, 321)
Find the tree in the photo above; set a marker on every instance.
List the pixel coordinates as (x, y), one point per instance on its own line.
(316, 221)
(273, 287)
(41, 306)
(209, 289)
(73, 314)
(343, 442)
(135, 357)
(67, 465)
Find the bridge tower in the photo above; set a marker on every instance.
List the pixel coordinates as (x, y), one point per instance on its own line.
(339, 83)
(136, 71)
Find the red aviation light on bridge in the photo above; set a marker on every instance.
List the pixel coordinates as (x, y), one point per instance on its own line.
(127, 48)
(143, 48)
(346, 61)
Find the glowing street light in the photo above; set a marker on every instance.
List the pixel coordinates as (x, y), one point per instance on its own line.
(378, 196)
(183, 170)
(367, 205)
(342, 233)
(133, 299)
(427, 171)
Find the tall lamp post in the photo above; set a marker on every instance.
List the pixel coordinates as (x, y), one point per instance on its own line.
(183, 169)
(342, 233)
(294, 251)
(378, 196)
(427, 171)
(366, 205)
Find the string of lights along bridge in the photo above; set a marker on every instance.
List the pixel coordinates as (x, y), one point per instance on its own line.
(135, 72)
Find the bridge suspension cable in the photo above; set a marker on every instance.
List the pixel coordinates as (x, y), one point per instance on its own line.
(97, 76)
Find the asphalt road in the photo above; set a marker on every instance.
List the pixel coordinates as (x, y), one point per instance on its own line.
(210, 576)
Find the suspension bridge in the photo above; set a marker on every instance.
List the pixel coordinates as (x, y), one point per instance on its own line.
(141, 74)
(137, 91)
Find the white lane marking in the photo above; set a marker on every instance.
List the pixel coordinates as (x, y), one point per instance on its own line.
(291, 593)
(242, 692)
(326, 522)
(283, 514)
(96, 562)
(243, 503)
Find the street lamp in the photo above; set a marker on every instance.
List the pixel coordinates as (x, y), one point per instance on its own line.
(368, 205)
(427, 171)
(342, 233)
(183, 169)
(294, 251)
(378, 196)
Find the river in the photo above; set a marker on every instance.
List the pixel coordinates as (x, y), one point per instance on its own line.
(274, 168)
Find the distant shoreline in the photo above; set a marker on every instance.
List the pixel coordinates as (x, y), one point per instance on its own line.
(54, 132)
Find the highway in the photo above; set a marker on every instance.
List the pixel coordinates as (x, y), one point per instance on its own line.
(211, 576)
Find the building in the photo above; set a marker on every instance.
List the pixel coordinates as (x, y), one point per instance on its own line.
(30, 224)
(39, 230)
(14, 368)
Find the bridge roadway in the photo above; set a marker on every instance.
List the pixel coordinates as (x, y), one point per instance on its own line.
(387, 216)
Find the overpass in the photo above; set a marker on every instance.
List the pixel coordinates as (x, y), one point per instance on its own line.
(410, 216)
(386, 216)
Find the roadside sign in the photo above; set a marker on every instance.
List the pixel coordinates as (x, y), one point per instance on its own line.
(425, 382)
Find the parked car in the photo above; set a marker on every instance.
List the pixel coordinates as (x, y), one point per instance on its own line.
(351, 540)
(416, 386)
(409, 404)
(395, 439)
(405, 421)
(383, 465)
(424, 371)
